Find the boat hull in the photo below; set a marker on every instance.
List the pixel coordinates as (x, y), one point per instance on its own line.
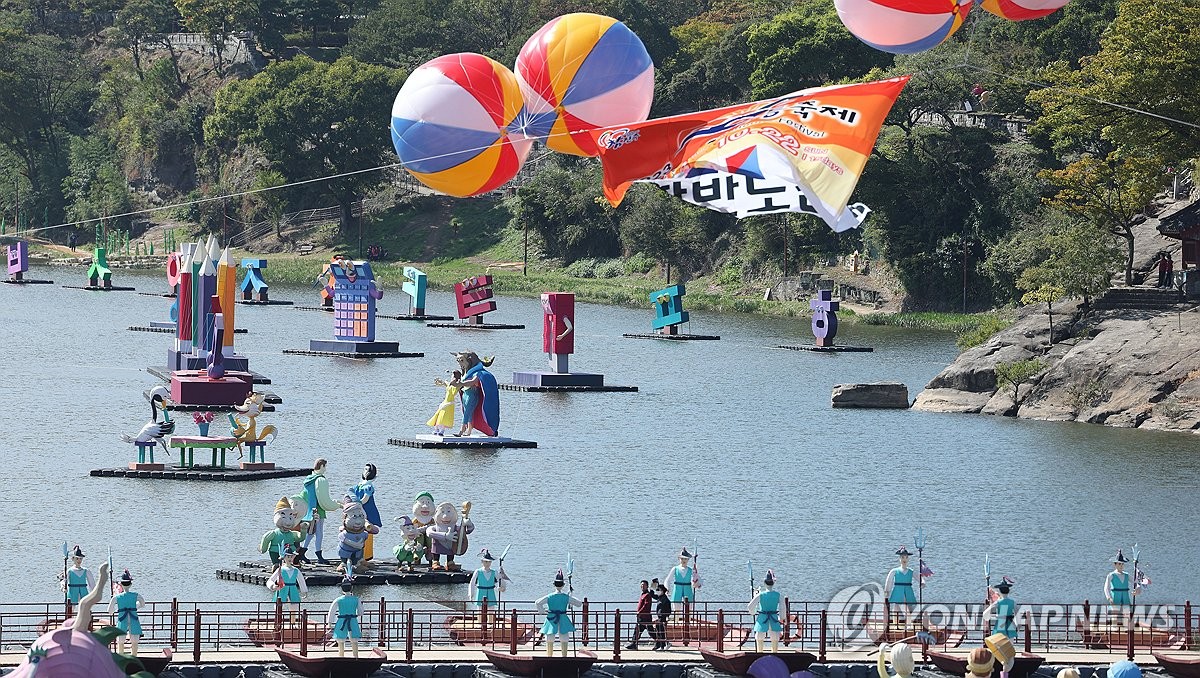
(539, 665)
(156, 663)
(895, 633)
(1109, 637)
(467, 630)
(738, 663)
(324, 666)
(1179, 667)
(262, 632)
(1024, 665)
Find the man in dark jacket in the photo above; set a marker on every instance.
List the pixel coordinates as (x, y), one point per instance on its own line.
(644, 616)
(663, 609)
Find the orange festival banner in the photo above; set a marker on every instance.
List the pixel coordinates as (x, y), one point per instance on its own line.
(802, 152)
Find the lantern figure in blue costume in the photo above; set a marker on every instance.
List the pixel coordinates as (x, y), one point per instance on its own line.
(558, 623)
(765, 608)
(1119, 585)
(343, 619)
(78, 580)
(125, 605)
(1004, 609)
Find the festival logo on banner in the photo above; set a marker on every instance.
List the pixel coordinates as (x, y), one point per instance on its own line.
(803, 152)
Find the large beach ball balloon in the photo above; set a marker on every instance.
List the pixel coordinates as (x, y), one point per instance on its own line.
(453, 123)
(902, 26)
(579, 72)
(1021, 10)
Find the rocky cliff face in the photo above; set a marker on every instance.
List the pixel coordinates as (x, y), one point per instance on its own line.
(1120, 368)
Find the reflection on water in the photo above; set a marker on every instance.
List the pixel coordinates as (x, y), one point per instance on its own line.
(730, 444)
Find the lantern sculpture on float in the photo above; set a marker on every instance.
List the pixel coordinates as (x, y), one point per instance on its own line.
(582, 71)
(451, 125)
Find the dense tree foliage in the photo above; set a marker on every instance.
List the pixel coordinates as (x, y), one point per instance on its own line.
(103, 110)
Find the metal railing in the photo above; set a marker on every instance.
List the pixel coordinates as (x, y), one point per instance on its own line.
(413, 627)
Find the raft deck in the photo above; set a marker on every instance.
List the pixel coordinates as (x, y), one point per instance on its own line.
(379, 572)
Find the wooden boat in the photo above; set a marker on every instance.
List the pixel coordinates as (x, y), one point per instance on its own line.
(1115, 636)
(1024, 664)
(467, 629)
(262, 632)
(702, 631)
(326, 666)
(1179, 667)
(155, 663)
(882, 632)
(738, 663)
(538, 665)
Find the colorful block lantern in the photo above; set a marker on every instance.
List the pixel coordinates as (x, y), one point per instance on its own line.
(253, 287)
(558, 328)
(207, 286)
(668, 309)
(414, 286)
(98, 273)
(474, 298)
(354, 294)
(18, 259)
(824, 320)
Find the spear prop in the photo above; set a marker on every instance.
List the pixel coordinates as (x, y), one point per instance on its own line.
(987, 578)
(1133, 589)
(570, 572)
(110, 573)
(501, 576)
(919, 542)
(66, 584)
(695, 568)
(750, 574)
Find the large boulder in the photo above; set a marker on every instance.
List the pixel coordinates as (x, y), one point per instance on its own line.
(881, 394)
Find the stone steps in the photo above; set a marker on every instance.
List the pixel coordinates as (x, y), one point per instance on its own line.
(1139, 298)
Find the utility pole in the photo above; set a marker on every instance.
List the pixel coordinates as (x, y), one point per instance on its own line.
(525, 261)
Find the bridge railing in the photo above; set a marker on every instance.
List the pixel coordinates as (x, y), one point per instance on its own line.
(412, 627)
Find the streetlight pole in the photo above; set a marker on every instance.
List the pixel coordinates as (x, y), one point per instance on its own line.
(525, 261)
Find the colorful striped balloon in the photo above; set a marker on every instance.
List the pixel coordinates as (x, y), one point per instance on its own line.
(1021, 10)
(579, 72)
(902, 26)
(451, 125)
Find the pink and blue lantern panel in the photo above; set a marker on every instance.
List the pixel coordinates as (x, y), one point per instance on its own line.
(579, 72)
(1022, 10)
(18, 258)
(453, 123)
(902, 26)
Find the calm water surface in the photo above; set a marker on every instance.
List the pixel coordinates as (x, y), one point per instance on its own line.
(730, 444)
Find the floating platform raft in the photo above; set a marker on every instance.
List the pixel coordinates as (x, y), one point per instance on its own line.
(829, 349)
(562, 382)
(410, 316)
(258, 379)
(198, 472)
(314, 308)
(673, 337)
(171, 330)
(391, 350)
(97, 288)
(607, 388)
(373, 573)
(163, 295)
(270, 401)
(26, 281)
(268, 302)
(484, 326)
(432, 442)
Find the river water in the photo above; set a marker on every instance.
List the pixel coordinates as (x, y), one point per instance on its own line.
(729, 444)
